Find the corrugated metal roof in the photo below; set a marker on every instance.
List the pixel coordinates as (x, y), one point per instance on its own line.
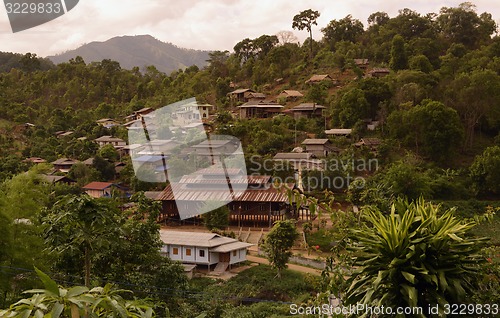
(97, 185)
(194, 238)
(338, 131)
(318, 78)
(240, 90)
(315, 141)
(179, 192)
(292, 156)
(307, 106)
(230, 247)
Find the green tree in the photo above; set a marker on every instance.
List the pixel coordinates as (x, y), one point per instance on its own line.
(421, 63)
(305, 20)
(105, 168)
(352, 107)
(405, 179)
(463, 25)
(485, 171)
(399, 59)
(77, 226)
(109, 153)
(434, 129)
(217, 218)
(346, 29)
(474, 95)
(418, 255)
(278, 244)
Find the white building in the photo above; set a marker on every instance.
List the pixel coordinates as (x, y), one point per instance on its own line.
(203, 248)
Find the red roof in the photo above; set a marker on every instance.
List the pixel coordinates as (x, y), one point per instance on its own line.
(98, 185)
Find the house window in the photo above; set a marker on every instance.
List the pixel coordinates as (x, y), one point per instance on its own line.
(175, 251)
(234, 253)
(202, 253)
(188, 252)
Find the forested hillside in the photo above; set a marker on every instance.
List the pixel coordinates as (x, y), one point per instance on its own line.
(139, 50)
(424, 86)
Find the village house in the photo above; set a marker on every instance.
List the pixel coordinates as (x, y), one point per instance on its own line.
(299, 160)
(104, 189)
(320, 147)
(257, 202)
(193, 111)
(62, 134)
(138, 114)
(260, 109)
(240, 95)
(208, 249)
(370, 143)
(306, 110)
(379, 72)
(256, 96)
(158, 147)
(110, 140)
(362, 63)
(132, 149)
(290, 95)
(316, 79)
(35, 160)
(213, 150)
(107, 122)
(339, 132)
(57, 179)
(64, 164)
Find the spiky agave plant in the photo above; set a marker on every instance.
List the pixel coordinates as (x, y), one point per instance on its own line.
(415, 256)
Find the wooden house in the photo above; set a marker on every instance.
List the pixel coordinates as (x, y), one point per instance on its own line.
(64, 164)
(110, 140)
(379, 72)
(240, 95)
(371, 143)
(316, 79)
(103, 189)
(107, 122)
(290, 95)
(57, 179)
(362, 63)
(259, 109)
(306, 110)
(320, 147)
(256, 201)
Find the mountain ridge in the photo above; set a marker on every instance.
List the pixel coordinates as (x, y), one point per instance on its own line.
(137, 50)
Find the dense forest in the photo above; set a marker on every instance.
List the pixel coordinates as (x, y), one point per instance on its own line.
(438, 115)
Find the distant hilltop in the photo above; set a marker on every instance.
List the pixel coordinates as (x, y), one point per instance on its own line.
(138, 50)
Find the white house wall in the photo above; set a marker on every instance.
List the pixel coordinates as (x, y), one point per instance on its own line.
(241, 256)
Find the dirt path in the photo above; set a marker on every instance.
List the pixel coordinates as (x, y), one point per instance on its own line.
(293, 267)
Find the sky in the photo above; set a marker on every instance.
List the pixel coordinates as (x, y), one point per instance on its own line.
(198, 24)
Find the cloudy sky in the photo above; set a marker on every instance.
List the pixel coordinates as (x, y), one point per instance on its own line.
(198, 24)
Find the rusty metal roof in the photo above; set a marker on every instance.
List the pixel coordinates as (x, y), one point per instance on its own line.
(179, 192)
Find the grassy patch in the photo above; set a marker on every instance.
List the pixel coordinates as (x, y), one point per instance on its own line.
(260, 283)
(320, 238)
